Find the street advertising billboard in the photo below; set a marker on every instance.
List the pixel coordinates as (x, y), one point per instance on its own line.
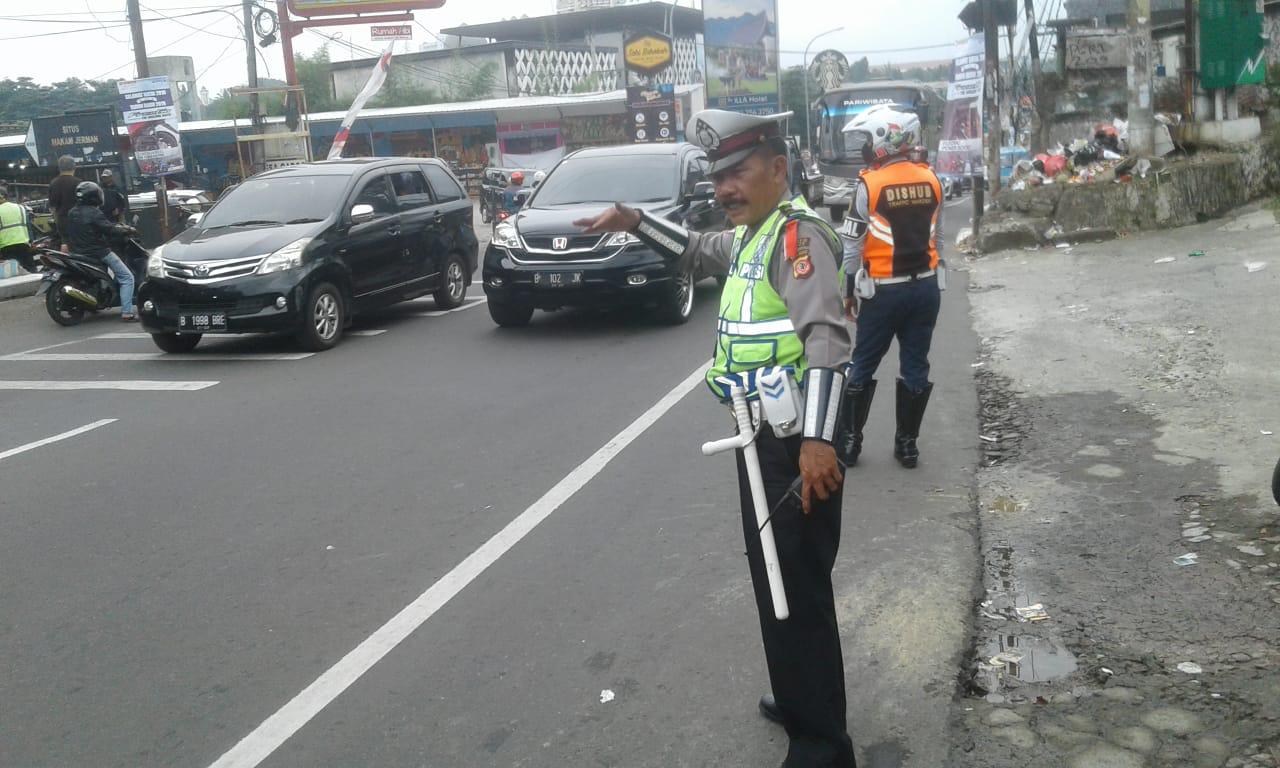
(89, 137)
(741, 45)
(152, 120)
(381, 33)
(646, 55)
(960, 149)
(343, 7)
(652, 114)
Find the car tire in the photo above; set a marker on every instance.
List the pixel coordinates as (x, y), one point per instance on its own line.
(176, 343)
(677, 305)
(510, 315)
(453, 283)
(323, 318)
(62, 310)
(1275, 483)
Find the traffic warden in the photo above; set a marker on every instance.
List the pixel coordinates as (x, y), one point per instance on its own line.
(15, 232)
(894, 275)
(780, 308)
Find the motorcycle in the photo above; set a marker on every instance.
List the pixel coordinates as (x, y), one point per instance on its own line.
(74, 284)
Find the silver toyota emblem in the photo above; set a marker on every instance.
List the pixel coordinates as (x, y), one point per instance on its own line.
(559, 243)
(202, 270)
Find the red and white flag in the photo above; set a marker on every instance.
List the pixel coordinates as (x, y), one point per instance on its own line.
(376, 79)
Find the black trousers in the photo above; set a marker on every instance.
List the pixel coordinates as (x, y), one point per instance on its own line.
(806, 666)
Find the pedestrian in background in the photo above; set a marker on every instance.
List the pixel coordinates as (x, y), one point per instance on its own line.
(62, 195)
(115, 203)
(893, 275)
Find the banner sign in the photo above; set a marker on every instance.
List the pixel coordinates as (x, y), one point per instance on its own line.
(960, 149)
(341, 7)
(89, 137)
(376, 79)
(653, 113)
(741, 44)
(152, 119)
(391, 32)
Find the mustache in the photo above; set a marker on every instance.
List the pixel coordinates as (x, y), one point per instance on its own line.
(732, 200)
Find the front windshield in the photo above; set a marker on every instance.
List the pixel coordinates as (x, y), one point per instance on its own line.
(608, 179)
(279, 200)
(841, 108)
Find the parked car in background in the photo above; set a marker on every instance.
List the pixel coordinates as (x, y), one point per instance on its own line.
(539, 260)
(302, 249)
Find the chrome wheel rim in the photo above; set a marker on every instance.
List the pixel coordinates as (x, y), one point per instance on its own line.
(456, 281)
(684, 293)
(326, 316)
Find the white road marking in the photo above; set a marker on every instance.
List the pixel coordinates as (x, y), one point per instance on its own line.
(123, 335)
(440, 312)
(127, 386)
(289, 719)
(957, 202)
(101, 357)
(64, 436)
(377, 332)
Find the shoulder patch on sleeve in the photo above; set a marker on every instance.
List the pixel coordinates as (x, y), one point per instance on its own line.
(797, 245)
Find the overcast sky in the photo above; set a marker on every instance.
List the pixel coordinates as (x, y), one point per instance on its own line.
(37, 39)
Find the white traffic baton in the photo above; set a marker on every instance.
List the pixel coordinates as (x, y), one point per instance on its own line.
(746, 441)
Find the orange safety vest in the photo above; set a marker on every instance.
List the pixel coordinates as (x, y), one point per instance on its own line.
(904, 202)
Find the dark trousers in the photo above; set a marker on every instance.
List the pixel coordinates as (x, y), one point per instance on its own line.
(806, 667)
(23, 254)
(908, 311)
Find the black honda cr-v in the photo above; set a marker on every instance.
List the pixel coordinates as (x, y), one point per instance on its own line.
(539, 260)
(302, 249)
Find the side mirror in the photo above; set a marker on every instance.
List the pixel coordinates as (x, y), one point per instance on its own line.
(703, 190)
(194, 219)
(361, 213)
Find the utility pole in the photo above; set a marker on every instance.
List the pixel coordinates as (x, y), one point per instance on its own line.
(1141, 119)
(1010, 93)
(251, 63)
(1189, 42)
(991, 93)
(144, 71)
(1036, 73)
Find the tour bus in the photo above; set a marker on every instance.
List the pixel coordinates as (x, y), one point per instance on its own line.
(840, 155)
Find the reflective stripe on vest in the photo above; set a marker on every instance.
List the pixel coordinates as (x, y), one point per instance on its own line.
(13, 225)
(755, 329)
(904, 201)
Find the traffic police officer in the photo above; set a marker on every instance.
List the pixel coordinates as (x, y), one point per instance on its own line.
(892, 245)
(15, 232)
(780, 308)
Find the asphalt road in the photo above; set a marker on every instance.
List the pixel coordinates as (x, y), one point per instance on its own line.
(440, 544)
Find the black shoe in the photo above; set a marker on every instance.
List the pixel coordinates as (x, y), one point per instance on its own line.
(910, 409)
(769, 709)
(857, 407)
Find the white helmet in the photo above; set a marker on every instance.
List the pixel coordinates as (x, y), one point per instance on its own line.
(538, 177)
(887, 132)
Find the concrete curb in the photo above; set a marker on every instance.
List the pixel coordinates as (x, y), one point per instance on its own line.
(19, 287)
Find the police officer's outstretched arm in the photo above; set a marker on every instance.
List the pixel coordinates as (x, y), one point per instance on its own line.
(707, 252)
(807, 281)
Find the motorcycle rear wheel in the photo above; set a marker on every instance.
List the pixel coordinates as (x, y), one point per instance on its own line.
(63, 310)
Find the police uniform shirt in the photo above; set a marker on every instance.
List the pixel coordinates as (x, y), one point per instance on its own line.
(813, 301)
(854, 230)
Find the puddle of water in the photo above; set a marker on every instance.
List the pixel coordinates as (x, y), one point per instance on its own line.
(1031, 659)
(1006, 505)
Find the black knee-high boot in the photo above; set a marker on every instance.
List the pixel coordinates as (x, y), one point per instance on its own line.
(857, 407)
(911, 407)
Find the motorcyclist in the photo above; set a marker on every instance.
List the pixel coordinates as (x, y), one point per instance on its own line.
(509, 202)
(89, 233)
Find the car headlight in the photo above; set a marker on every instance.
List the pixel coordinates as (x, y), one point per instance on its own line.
(505, 236)
(620, 239)
(155, 263)
(288, 257)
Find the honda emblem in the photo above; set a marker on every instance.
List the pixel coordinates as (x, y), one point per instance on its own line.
(559, 243)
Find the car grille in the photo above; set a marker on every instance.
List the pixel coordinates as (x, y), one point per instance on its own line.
(210, 272)
(573, 243)
(245, 306)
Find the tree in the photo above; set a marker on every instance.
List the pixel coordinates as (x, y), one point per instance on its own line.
(860, 71)
(792, 95)
(314, 75)
(24, 98)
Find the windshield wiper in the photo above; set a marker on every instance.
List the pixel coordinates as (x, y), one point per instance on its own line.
(251, 223)
(303, 220)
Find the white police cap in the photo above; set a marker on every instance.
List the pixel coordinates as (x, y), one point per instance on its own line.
(729, 137)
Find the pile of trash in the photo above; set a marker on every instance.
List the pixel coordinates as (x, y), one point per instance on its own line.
(1102, 158)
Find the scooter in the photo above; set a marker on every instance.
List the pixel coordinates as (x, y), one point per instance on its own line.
(75, 284)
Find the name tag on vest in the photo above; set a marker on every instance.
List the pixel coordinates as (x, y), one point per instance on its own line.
(751, 271)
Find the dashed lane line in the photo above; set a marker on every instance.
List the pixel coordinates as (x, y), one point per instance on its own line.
(289, 719)
(104, 357)
(139, 385)
(440, 312)
(49, 440)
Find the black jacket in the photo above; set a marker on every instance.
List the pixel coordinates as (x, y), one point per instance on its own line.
(88, 230)
(114, 203)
